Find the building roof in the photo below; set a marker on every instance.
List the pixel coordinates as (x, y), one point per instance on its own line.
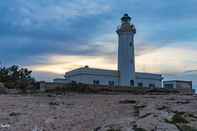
(185, 81)
(112, 73)
(92, 71)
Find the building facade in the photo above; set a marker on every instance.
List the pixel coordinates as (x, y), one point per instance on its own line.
(177, 84)
(95, 76)
(125, 75)
(180, 85)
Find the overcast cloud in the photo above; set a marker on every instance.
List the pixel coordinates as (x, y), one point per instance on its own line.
(34, 32)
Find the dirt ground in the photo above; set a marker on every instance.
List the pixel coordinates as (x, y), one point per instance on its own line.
(95, 112)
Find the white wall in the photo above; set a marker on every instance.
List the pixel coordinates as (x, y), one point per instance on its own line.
(147, 82)
(88, 75)
(149, 78)
(63, 81)
(88, 79)
(179, 84)
(169, 83)
(126, 59)
(183, 85)
(104, 80)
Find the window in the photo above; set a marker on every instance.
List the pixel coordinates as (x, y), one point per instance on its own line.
(96, 82)
(140, 84)
(151, 85)
(131, 60)
(130, 43)
(168, 86)
(111, 83)
(131, 82)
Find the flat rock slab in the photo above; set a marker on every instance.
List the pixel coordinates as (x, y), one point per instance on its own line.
(93, 112)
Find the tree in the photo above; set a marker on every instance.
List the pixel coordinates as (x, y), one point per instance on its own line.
(15, 77)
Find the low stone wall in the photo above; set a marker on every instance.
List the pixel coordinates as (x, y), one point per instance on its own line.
(186, 91)
(53, 87)
(50, 86)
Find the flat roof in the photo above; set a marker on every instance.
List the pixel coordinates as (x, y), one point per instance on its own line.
(108, 72)
(178, 81)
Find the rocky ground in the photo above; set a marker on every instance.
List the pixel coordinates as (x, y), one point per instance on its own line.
(96, 112)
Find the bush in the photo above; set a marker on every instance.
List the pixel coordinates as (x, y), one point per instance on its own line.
(73, 87)
(177, 118)
(186, 128)
(139, 129)
(135, 128)
(16, 78)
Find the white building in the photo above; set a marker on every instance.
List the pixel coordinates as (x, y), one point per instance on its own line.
(182, 86)
(177, 84)
(125, 75)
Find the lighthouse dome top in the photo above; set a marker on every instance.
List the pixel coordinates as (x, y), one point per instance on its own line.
(126, 18)
(126, 25)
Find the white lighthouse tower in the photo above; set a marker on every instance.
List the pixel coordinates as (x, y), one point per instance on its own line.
(126, 56)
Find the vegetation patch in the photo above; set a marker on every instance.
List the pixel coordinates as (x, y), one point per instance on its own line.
(179, 112)
(186, 128)
(177, 118)
(139, 129)
(17, 78)
(192, 116)
(135, 128)
(74, 87)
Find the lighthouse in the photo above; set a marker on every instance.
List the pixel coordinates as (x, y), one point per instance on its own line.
(125, 75)
(126, 55)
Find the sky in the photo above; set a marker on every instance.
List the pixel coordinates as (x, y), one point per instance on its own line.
(51, 37)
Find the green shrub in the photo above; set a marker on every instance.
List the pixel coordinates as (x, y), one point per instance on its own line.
(186, 128)
(177, 118)
(17, 78)
(136, 128)
(73, 87)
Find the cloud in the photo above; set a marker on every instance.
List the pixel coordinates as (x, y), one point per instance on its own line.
(36, 12)
(188, 76)
(36, 28)
(46, 76)
(59, 64)
(190, 71)
(168, 59)
(33, 32)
